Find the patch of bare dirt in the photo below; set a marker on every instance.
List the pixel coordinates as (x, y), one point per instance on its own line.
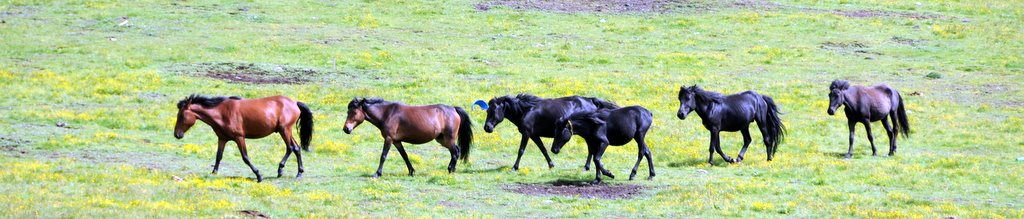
(852, 47)
(907, 41)
(253, 213)
(253, 73)
(579, 189)
(12, 146)
(588, 6)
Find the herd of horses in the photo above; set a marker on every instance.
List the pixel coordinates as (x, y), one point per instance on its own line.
(599, 122)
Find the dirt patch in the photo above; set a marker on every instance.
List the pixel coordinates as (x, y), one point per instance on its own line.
(12, 146)
(253, 213)
(579, 189)
(852, 47)
(589, 6)
(877, 13)
(907, 41)
(253, 73)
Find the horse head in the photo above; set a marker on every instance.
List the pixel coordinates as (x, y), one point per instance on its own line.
(495, 112)
(836, 95)
(687, 100)
(356, 114)
(186, 117)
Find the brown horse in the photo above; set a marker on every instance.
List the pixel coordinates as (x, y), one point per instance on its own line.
(870, 104)
(399, 123)
(235, 119)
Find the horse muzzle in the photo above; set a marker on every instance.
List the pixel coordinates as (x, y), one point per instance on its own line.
(179, 135)
(556, 150)
(347, 130)
(489, 128)
(831, 111)
(682, 116)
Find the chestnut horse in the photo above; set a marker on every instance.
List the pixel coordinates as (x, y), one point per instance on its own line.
(870, 104)
(399, 123)
(235, 119)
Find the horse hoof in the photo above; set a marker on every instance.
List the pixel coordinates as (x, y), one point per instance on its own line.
(515, 168)
(551, 166)
(375, 175)
(651, 177)
(596, 182)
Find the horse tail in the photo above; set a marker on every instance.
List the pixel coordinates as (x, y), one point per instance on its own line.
(602, 104)
(305, 125)
(776, 130)
(900, 120)
(465, 133)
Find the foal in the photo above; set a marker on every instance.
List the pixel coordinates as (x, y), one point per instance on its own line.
(608, 127)
(869, 104)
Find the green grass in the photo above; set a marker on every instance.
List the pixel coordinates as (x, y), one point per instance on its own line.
(115, 87)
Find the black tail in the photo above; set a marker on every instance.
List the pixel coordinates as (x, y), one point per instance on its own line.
(776, 130)
(900, 119)
(602, 104)
(305, 125)
(465, 134)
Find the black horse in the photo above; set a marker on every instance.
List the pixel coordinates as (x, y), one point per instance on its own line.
(608, 127)
(870, 104)
(733, 113)
(535, 117)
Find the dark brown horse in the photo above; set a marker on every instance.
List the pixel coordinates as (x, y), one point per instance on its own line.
(399, 123)
(870, 104)
(235, 119)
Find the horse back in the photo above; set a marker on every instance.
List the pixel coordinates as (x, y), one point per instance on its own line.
(424, 123)
(262, 116)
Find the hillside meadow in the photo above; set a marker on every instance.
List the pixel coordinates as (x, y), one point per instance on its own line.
(90, 87)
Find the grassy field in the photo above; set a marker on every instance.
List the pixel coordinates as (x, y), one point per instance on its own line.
(90, 89)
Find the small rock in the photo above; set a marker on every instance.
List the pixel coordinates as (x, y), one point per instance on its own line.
(61, 124)
(176, 178)
(702, 171)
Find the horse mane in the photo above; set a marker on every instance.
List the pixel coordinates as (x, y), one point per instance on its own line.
(364, 101)
(518, 104)
(587, 117)
(839, 84)
(204, 101)
(601, 104)
(707, 96)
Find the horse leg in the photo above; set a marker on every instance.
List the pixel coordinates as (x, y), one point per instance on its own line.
(853, 125)
(644, 152)
(586, 166)
(245, 157)
(639, 157)
(401, 150)
(453, 148)
(746, 142)
(220, 154)
(716, 142)
(892, 135)
(522, 148)
(711, 149)
(767, 142)
(600, 165)
(288, 142)
(298, 158)
(871, 138)
(540, 144)
(383, 156)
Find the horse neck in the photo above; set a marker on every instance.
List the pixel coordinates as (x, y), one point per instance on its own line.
(848, 96)
(375, 113)
(516, 116)
(703, 107)
(210, 116)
